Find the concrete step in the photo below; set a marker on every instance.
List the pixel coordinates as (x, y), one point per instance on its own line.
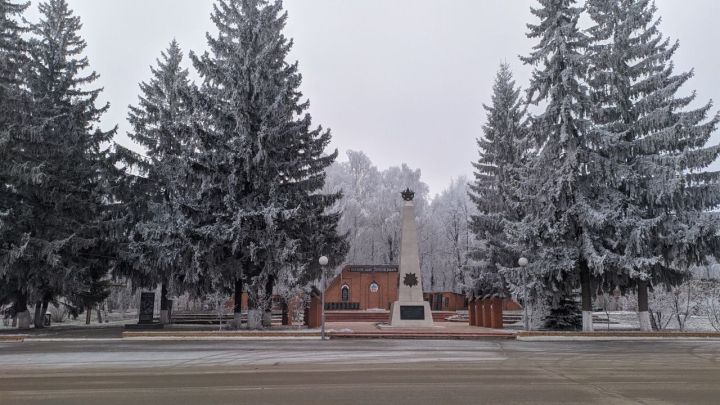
(213, 319)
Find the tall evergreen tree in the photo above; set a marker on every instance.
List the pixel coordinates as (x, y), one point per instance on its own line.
(498, 173)
(656, 193)
(553, 229)
(13, 59)
(61, 167)
(161, 124)
(259, 166)
(13, 121)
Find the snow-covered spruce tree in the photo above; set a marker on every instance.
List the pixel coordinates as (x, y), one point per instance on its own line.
(655, 194)
(161, 125)
(13, 58)
(498, 174)
(258, 164)
(61, 168)
(553, 229)
(13, 117)
(316, 233)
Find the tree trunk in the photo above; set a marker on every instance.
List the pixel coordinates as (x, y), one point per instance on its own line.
(164, 307)
(88, 314)
(237, 307)
(586, 291)
(643, 313)
(653, 320)
(267, 314)
(254, 317)
(39, 315)
(21, 311)
(286, 317)
(46, 303)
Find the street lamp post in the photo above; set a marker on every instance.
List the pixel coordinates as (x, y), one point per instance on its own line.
(523, 262)
(323, 261)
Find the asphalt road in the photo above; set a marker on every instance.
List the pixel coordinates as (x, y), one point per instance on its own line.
(360, 372)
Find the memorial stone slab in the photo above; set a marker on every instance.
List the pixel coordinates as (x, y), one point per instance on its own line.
(147, 307)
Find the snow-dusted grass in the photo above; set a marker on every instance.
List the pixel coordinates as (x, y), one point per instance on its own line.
(628, 320)
(114, 319)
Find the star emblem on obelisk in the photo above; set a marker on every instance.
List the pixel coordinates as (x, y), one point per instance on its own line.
(410, 280)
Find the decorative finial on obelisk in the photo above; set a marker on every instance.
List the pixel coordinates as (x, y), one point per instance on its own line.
(408, 195)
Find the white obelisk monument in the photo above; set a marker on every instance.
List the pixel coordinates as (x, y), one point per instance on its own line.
(410, 310)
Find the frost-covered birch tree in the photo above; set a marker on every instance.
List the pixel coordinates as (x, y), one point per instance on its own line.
(652, 185)
(371, 206)
(446, 238)
(359, 181)
(388, 215)
(371, 218)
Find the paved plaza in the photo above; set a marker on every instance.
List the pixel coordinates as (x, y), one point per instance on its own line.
(359, 371)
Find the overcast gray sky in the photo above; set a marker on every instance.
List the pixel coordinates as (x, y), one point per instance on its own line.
(402, 80)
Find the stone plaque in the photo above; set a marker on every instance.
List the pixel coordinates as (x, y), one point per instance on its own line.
(372, 269)
(412, 312)
(147, 307)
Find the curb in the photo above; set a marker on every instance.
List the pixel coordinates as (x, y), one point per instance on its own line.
(12, 338)
(71, 339)
(420, 336)
(210, 335)
(613, 336)
(607, 338)
(214, 338)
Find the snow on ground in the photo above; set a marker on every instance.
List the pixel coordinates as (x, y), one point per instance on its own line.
(113, 318)
(628, 320)
(619, 320)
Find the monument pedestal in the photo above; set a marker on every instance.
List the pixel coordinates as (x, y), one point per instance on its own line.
(411, 314)
(147, 313)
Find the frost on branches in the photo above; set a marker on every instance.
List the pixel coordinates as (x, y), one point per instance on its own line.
(652, 196)
(496, 192)
(13, 115)
(553, 225)
(61, 172)
(258, 167)
(162, 125)
(371, 218)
